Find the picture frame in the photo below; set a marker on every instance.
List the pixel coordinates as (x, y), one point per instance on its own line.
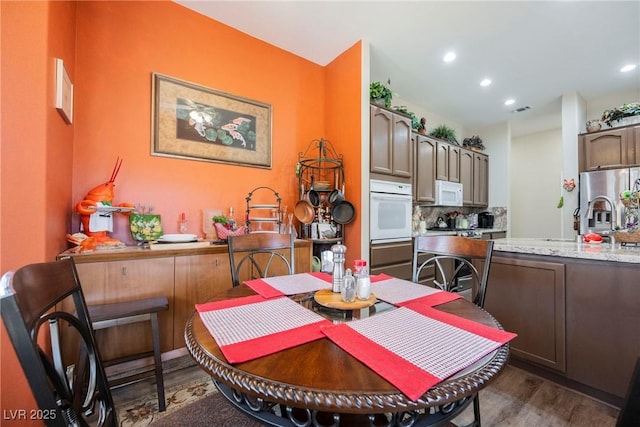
(64, 92)
(194, 122)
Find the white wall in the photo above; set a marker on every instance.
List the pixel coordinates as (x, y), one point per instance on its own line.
(536, 168)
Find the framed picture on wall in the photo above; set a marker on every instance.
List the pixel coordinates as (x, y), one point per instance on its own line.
(64, 92)
(194, 122)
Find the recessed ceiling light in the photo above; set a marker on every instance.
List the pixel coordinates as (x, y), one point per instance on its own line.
(485, 82)
(509, 102)
(628, 68)
(450, 56)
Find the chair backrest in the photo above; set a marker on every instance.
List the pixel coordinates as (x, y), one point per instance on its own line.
(453, 257)
(70, 389)
(258, 255)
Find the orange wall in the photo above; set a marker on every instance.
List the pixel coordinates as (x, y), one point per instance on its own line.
(110, 50)
(119, 45)
(36, 157)
(343, 109)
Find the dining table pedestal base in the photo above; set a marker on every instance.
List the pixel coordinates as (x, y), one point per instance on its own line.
(275, 414)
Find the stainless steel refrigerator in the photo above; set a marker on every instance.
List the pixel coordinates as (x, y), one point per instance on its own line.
(600, 207)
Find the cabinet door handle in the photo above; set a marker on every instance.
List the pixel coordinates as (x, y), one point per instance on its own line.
(124, 271)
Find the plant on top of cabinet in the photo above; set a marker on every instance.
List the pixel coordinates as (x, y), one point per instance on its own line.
(444, 132)
(380, 94)
(618, 113)
(415, 123)
(473, 142)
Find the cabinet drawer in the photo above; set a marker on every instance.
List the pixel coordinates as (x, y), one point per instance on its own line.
(400, 271)
(391, 253)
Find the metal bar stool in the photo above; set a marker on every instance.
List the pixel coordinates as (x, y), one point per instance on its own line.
(108, 315)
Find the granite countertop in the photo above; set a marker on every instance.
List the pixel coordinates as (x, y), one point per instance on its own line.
(569, 249)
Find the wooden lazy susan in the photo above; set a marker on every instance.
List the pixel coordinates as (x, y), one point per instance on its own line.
(328, 298)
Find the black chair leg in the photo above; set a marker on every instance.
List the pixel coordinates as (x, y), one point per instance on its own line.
(155, 329)
(476, 411)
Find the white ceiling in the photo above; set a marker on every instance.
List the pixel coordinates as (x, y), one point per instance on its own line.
(534, 51)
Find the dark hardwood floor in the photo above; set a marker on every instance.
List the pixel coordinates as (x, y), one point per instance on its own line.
(515, 398)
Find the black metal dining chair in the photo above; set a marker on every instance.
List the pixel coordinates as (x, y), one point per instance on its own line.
(259, 255)
(70, 387)
(454, 259)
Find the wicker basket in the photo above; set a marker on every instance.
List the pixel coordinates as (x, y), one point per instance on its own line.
(627, 237)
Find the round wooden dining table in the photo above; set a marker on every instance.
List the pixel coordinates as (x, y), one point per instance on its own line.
(320, 384)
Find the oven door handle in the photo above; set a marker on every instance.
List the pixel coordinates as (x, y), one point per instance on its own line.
(392, 198)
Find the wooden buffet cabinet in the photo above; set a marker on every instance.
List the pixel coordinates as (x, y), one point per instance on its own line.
(186, 276)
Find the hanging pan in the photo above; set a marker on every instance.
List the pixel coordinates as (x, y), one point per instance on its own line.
(343, 212)
(304, 212)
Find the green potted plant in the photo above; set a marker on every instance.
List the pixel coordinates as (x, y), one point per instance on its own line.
(380, 94)
(415, 123)
(444, 132)
(475, 143)
(618, 113)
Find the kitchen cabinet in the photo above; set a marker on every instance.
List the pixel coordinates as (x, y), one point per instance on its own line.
(396, 259)
(391, 147)
(480, 179)
(474, 176)
(448, 162)
(466, 176)
(185, 276)
(576, 319)
(424, 182)
(527, 296)
(609, 149)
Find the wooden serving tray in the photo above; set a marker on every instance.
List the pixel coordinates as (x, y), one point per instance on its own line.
(328, 298)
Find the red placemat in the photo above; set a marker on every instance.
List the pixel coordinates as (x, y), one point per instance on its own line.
(271, 287)
(251, 327)
(402, 292)
(414, 350)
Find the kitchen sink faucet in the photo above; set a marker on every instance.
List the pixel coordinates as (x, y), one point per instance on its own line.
(614, 215)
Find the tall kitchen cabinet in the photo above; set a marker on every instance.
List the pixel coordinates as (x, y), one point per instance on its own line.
(391, 148)
(424, 178)
(609, 149)
(474, 176)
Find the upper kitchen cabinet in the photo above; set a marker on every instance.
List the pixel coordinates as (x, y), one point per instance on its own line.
(474, 176)
(391, 148)
(448, 162)
(609, 149)
(424, 182)
(480, 179)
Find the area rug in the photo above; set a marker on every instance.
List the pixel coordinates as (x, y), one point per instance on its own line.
(143, 412)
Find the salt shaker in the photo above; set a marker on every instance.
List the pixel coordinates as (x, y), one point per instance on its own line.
(348, 291)
(363, 285)
(339, 251)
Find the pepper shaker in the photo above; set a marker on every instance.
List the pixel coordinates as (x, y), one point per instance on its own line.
(339, 251)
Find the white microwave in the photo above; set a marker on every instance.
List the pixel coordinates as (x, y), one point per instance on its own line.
(448, 193)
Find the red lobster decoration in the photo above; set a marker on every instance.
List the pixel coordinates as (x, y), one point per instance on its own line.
(102, 193)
